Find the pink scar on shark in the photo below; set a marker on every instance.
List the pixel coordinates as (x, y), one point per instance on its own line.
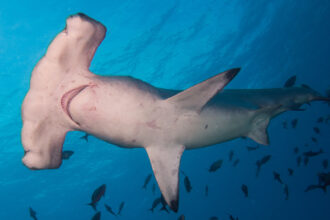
(152, 124)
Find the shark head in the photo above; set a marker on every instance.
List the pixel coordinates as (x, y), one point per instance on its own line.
(45, 115)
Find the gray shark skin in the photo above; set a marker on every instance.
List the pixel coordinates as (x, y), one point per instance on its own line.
(65, 96)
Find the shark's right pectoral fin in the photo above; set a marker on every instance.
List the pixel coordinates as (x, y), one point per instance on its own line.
(165, 162)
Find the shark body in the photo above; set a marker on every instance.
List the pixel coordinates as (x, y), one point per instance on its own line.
(65, 96)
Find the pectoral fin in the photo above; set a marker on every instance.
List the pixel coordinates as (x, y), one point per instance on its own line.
(197, 96)
(165, 162)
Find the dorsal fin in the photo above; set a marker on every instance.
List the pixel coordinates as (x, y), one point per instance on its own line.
(165, 162)
(198, 95)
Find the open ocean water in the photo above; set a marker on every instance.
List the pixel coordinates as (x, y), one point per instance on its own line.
(174, 44)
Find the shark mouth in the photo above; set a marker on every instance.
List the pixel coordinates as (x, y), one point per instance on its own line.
(67, 98)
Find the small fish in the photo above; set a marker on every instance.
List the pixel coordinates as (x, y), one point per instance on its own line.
(97, 195)
(314, 139)
(290, 171)
(277, 177)
(97, 216)
(296, 150)
(298, 161)
(294, 123)
(213, 218)
(231, 155)
(306, 160)
(121, 206)
(261, 162)
(181, 217)
(109, 209)
(146, 181)
(153, 188)
(285, 124)
(187, 184)
(164, 204)
(155, 203)
(33, 213)
(325, 163)
(85, 137)
(206, 190)
(215, 166)
(290, 82)
(67, 154)
(312, 187)
(245, 190)
(252, 148)
(312, 153)
(286, 191)
(236, 162)
(316, 130)
(320, 120)
(231, 217)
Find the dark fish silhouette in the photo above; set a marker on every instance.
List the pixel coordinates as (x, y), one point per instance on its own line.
(324, 182)
(313, 153)
(290, 82)
(290, 171)
(324, 179)
(236, 162)
(313, 187)
(164, 204)
(261, 162)
(85, 137)
(316, 130)
(320, 120)
(231, 217)
(187, 184)
(109, 209)
(181, 217)
(121, 206)
(97, 195)
(33, 213)
(245, 190)
(296, 150)
(294, 123)
(298, 161)
(306, 160)
(252, 148)
(277, 177)
(285, 124)
(215, 166)
(314, 139)
(231, 155)
(213, 218)
(97, 216)
(206, 190)
(325, 163)
(67, 154)
(146, 181)
(286, 191)
(155, 203)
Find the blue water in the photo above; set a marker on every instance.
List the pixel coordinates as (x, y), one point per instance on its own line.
(172, 44)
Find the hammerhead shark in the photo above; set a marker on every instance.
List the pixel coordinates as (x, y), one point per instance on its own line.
(65, 96)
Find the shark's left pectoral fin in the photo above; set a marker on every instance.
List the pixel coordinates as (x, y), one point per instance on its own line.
(198, 95)
(165, 162)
